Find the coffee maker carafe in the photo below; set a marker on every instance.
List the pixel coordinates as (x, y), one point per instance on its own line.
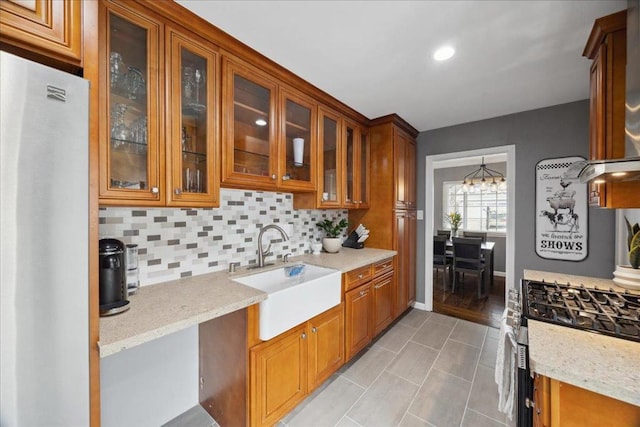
(113, 270)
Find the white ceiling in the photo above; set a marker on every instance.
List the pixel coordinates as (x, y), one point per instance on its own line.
(375, 56)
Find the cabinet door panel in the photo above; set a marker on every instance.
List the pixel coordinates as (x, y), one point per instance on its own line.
(130, 159)
(351, 138)
(400, 245)
(297, 141)
(279, 376)
(358, 319)
(364, 171)
(326, 345)
(192, 145)
(52, 28)
(410, 257)
(249, 127)
(383, 289)
(330, 159)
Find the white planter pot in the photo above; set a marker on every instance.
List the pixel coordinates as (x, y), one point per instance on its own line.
(627, 277)
(331, 244)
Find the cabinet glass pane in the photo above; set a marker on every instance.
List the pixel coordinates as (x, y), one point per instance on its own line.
(251, 127)
(364, 163)
(330, 160)
(128, 77)
(193, 96)
(348, 197)
(298, 141)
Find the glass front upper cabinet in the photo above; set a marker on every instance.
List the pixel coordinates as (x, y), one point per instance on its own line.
(329, 188)
(363, 168)
(192, 99)
(351, 141)
(130, 159)
(298, 168)
(248, 134)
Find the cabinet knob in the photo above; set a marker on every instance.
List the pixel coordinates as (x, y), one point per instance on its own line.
(360, 276)
(363, 293)
(303, 336)
(286, 177)
(177, 191)
(385, 266)
(155, 190)
(274, 177)
(314, 330)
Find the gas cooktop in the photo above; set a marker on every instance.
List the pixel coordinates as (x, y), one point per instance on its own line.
(603, 311)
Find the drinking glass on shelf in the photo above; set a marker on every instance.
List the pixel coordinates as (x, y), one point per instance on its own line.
(119, 130)
(199, 78)
(116, 68)
(187, 84)
(135, 84)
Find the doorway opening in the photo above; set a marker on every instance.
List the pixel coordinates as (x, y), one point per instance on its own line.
(500, 231)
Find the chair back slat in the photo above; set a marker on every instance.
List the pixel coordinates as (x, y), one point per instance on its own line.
(478, 234)
(466, 250)
(444, 233)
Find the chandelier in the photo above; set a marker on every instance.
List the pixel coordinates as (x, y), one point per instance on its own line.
(483, 178)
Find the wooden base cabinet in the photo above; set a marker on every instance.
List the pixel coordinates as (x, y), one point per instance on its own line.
(285, 369)
(558, 404)
(383, 297)
(358, 319)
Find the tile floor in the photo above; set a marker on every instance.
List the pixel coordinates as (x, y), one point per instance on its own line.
(428, 369)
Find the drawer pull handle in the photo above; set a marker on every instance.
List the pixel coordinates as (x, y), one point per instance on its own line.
(303, 336)
(363, 293)
(314, 330)
(379, 286)
(360, 276)
(386, 266)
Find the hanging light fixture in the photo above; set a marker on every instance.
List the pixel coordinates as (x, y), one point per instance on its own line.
(490, 178)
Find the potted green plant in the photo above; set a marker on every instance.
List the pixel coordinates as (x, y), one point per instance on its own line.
(628, 276)
(332, 230)
(454, 219)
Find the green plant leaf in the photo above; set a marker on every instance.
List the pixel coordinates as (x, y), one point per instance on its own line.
(634, 251)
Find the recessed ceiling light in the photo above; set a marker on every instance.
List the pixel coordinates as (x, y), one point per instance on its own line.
(444, 53)
(261, 122)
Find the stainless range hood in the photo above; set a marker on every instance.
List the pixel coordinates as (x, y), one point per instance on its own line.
(625, 169)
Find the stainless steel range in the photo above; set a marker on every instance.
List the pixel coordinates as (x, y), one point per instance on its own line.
(603, 311)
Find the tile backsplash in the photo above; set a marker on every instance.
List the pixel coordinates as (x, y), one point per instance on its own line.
(174, 242)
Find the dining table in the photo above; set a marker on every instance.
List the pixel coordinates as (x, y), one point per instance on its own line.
(487, 252)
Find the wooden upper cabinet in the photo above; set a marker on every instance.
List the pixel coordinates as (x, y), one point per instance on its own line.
(297, 148)
(404, 150)
(249, 146)
(356, 167)
(329, 160)
(192, 152)
(607, 48)
(131, 123)
(48, 28)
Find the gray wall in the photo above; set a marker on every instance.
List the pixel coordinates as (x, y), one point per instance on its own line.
(456, 174)
(558, 131)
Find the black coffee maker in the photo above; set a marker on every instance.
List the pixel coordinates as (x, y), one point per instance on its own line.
(113, 273)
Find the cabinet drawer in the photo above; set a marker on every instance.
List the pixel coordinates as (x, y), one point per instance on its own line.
(382, 267)
(357, 277)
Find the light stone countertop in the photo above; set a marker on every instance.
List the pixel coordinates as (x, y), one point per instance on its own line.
(599, 363)
(161, 309)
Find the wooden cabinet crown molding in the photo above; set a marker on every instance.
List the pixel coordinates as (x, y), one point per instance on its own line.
(395, 120)
(603, 26)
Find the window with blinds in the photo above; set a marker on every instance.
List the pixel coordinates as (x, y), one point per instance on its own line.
(480, 210)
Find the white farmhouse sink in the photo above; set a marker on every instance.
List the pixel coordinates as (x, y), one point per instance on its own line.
(293, 300)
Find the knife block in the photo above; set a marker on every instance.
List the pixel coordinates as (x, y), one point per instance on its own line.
(352, 241)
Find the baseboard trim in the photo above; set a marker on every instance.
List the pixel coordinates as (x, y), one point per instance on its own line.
(500, 273)
(420, 306)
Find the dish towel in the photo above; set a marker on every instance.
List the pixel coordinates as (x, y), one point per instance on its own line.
(505, 373)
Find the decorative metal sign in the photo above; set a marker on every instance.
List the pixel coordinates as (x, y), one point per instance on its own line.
(561, 212)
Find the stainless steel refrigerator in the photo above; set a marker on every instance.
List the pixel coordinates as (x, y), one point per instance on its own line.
(44, 227)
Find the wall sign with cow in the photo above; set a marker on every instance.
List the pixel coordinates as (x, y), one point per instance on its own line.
(561, 212)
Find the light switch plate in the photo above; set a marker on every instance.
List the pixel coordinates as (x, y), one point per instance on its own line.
(420, 214)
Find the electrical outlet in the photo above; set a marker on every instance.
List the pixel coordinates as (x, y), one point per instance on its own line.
(420, 215)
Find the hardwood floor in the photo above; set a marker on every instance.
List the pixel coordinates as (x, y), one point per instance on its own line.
(464, 304)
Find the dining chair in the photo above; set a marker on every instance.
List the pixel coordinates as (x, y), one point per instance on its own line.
(441, 260)
(478, 234)
(445, 233)
(467, 258)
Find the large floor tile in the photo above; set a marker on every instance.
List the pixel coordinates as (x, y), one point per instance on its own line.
(484, 394)
(413, 362)
(432, 334)
(385, 402)
(475, 419)
(415, 318)
(396, 338)
(443, 319)
(469, 333)
(328, 407)
(493, 333)
(365, 370)
(442, 399)
(411, 420)
(347, 422)
(458, 359)
(489, 352)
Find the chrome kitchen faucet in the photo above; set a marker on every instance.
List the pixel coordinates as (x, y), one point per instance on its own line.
(263, 253)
